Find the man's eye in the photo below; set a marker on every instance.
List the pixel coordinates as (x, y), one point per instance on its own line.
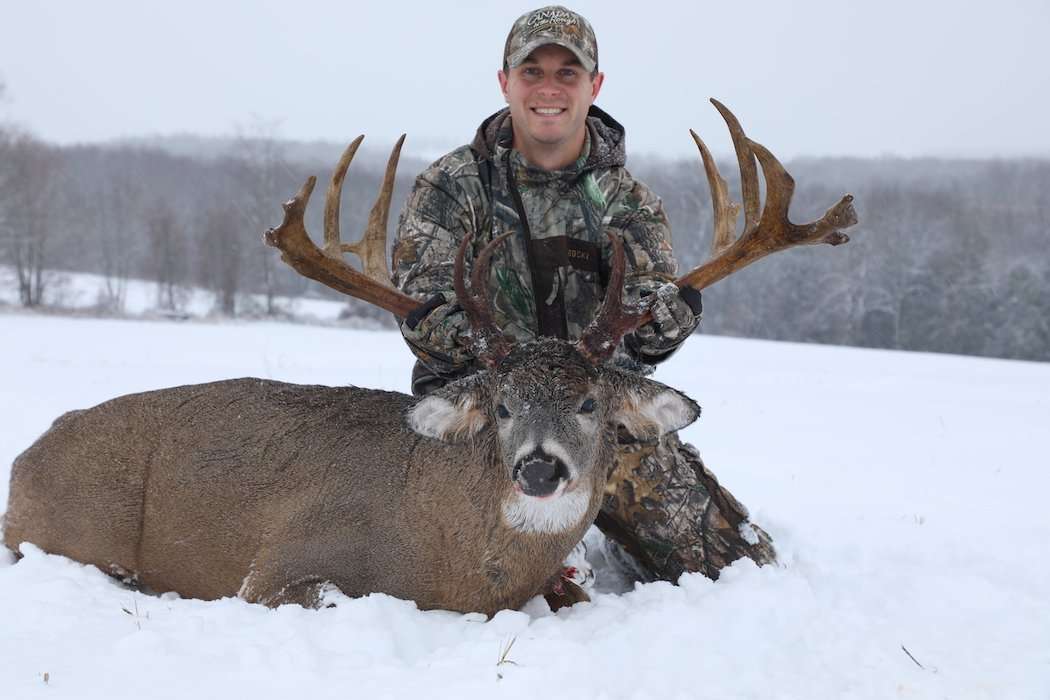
(588, 406)
(502, 411)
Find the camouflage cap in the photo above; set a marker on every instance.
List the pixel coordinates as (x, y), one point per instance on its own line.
(553, 24)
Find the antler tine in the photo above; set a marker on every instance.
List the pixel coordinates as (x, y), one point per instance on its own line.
(327, 267)
(600, 339)
(332, 244)
(780, 187)
(480, 274)
(491, 344)
(472, 300)
(746, 160)
(725, 210)
(372, 246)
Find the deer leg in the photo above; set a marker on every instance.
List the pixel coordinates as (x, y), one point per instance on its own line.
(665, 508)
(563, 592)
(274, 590)
(569, 586)
(295, 570)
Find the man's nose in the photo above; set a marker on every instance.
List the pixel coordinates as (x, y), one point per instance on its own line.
(549, 89)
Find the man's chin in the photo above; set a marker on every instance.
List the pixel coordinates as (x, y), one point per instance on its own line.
(549, 142)
(549, 137)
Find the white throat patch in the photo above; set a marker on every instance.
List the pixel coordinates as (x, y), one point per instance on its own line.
(546, 515)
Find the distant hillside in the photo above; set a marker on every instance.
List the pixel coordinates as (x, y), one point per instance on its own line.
(312, 153)
(949, 255)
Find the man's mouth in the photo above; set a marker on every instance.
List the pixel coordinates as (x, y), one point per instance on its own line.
(548, 111)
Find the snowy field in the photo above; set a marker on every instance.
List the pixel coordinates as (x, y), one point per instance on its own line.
(907, 495)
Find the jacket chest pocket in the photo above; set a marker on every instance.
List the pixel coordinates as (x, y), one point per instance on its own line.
(562, 251)
(567, 275)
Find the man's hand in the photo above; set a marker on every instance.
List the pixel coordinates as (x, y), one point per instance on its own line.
(676, 314)
(440, 328)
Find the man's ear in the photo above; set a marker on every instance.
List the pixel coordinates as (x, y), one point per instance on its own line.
(596, 86)
(502, 78)
(649, 409)
(453, 412)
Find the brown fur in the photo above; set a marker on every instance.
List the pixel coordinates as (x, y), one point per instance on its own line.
(269, 491)
(330, 497)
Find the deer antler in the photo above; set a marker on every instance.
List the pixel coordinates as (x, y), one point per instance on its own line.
(599, 340)
(596, 343)
(490, 343)
(327, 266)
(766, 231)
(765, 234)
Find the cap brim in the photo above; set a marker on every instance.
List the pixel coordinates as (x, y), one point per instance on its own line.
(519, 56)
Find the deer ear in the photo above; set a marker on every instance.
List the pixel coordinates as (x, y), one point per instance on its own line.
(452, 413)
(650, 409)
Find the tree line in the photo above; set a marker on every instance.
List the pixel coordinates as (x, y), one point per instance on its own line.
(949, 255)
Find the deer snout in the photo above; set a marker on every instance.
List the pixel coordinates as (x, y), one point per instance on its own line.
(539, 474)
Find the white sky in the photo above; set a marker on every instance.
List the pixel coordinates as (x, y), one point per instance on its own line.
(806, 78)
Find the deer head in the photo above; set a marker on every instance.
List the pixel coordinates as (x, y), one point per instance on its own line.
(551, 417)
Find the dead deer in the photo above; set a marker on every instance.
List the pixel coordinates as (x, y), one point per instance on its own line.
(468, 499)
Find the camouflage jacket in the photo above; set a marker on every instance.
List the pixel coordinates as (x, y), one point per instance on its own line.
(549, 278)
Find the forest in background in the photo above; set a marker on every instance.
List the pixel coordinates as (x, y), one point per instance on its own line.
(949, 255)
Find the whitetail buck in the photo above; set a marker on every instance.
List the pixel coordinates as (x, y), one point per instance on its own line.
(468, 499)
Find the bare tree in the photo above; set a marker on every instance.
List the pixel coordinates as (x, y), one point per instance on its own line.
(261, 174)
(28, 172)
(220, 249)
(103, 205)
(167, 256)
(121, 219)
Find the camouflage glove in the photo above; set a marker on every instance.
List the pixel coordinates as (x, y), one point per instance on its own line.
(676, 314)
(439, 333)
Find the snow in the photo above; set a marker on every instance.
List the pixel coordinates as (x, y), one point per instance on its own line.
(906, 494)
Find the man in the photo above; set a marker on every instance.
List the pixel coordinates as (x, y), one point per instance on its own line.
(550, 169)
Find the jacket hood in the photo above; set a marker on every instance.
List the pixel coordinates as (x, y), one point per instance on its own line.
(607, 138)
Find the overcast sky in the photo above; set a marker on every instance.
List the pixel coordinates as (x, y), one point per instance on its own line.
(805, 78)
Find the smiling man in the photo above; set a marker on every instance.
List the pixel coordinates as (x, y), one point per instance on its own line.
(549, 92)
(549, 169)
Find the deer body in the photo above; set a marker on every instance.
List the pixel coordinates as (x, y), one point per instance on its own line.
(271, 491)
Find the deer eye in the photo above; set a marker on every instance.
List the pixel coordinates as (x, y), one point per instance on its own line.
(588, 406)
(502, 411)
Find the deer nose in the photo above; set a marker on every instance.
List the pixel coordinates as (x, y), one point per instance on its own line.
(539, 474)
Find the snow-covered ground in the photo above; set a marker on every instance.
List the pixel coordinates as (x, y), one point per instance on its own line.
(907, 495)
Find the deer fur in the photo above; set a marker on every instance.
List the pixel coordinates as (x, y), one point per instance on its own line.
(273, 491)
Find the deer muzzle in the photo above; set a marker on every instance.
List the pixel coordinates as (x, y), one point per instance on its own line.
(539, 474)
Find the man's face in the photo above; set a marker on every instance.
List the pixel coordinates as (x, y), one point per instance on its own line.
(549, 95)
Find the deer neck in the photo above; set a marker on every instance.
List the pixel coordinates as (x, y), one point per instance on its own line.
(528, 542)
